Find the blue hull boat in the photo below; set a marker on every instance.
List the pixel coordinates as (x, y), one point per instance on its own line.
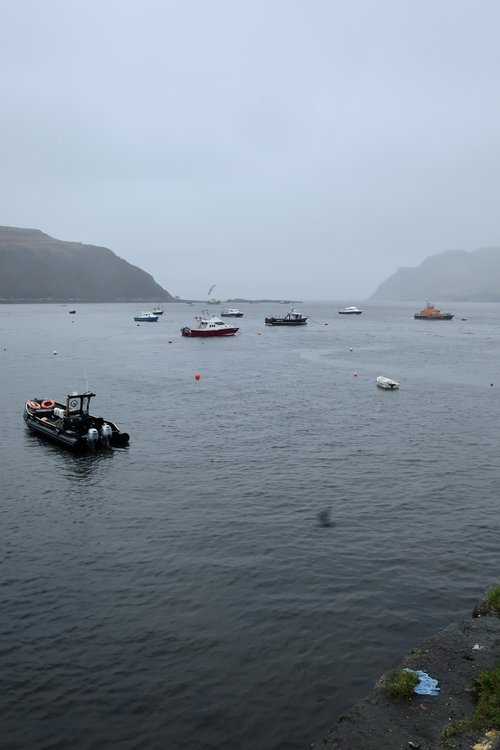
(146, 317)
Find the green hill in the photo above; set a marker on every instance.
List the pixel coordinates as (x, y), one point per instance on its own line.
(35, 267)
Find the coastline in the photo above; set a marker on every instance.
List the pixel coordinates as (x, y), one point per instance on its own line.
(64, 301)
(454, 656)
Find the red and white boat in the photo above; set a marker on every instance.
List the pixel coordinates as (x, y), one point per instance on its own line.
(210, 325)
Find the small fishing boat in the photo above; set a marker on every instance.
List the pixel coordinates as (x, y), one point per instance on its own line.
(292, 318)
(208, 326)
(157, 310)
(72, 312)
(146, 316)
(71, 424)
(430, 312)
(387, 383)
(350, 310)
(231, 312)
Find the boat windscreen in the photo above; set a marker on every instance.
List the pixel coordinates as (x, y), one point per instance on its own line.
(79, 403)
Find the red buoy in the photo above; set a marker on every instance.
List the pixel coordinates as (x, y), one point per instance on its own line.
(197, 376)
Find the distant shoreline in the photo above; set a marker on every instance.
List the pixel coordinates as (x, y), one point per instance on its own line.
(66, 301)
(82, 301)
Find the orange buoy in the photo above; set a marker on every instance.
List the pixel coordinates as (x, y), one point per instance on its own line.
(197, 376)
(48, 404)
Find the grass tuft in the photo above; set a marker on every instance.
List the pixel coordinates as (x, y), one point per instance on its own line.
(486, 714)
(493, 599)
(401, 684)
(453, 729)
(487, 697)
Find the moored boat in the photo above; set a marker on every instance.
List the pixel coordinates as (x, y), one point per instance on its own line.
(292, 318)
(72, 425)
(387, 383)
(231, 312)
(157, 310)
(431, 312)
(208, 326)
(350, 310)
(146, 316)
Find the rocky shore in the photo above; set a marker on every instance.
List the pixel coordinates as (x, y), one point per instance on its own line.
(455, 657)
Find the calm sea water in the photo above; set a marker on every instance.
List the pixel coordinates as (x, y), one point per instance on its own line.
(182, 594)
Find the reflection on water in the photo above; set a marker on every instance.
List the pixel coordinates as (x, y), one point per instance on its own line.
(278, 533)
(71, 465)
(86, 465)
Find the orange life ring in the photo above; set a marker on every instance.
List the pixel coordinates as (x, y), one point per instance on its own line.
(48, 404)
(33, 404)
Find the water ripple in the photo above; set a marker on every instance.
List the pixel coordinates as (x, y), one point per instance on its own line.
(183, 593)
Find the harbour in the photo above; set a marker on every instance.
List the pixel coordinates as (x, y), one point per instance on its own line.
(182, 593)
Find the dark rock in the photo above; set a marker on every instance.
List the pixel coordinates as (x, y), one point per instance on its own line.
(379, 722)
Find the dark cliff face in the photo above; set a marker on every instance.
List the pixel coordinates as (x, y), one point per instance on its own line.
(455, 275)
(36, 267)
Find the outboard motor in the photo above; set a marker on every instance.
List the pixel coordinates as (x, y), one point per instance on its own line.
(106, 432)
(92, 437)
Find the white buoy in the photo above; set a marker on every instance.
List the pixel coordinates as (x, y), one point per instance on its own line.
(54, 353)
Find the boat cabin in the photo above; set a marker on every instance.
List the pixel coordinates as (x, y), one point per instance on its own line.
(210, 323)
(78, 404)
(293, 315)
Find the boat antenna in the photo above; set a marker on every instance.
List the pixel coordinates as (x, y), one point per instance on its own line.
(86, 381)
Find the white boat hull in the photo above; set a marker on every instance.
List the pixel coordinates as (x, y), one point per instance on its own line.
(387, 383)
(350, 310)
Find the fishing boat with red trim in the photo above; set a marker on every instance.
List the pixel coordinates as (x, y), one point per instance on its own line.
(208, 326)
(431, 312)
(72, 425)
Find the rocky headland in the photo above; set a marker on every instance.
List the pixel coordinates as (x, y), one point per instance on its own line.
(35, 267)
(452, 276)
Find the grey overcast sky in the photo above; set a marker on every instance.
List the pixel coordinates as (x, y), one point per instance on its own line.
(276, 148)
